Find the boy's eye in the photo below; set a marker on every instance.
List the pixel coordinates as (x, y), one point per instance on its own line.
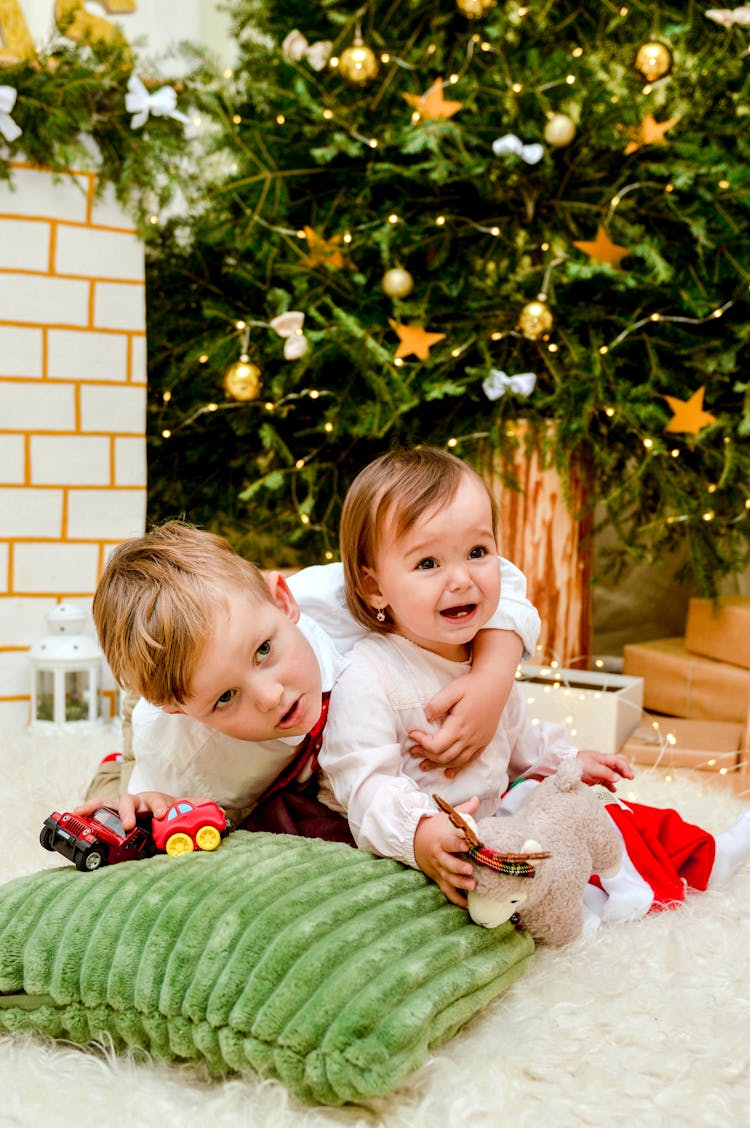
(225, 698)
(427, 563)
(263, 650)
(477, 552)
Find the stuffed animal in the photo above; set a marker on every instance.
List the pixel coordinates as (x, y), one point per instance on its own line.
(535, 863)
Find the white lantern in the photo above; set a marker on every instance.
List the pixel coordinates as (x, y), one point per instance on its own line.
(66, 674)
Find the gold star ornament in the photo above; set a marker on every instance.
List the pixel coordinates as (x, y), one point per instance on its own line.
(689, 416)
(603, 249)
(323, 252)
(432, 106)
(414, 340)
(649, 132)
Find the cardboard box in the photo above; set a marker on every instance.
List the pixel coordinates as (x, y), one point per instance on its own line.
(670, 742)
(683, 684)
(599, 710)
(720, 630)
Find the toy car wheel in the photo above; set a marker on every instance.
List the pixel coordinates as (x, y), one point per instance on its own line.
(46, 838)
(207, 838)
(90, 861)
(179, 844)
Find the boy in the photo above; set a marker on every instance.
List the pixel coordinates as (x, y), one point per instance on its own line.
(234, 679)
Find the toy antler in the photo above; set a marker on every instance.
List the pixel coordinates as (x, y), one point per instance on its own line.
(516, 864)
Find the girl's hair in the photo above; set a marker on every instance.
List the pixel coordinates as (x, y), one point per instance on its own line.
(397, 488)
(153, 607)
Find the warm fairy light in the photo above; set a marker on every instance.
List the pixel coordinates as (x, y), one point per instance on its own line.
(440, 221)
(712, 488)
(280, 119)
(347, 236)
(456, 352)
(570, 79)
(747, 503)
(675, 453)
(723, 183)
(329, 555)
(671, 738)
(328, 427)
(314, 393)
(385, 57)
(717, 313)
(236, 119)
(203, 358)
(609, 411)
(233, 167)
(577, 52)
(495, 231)
(496, 336)
(166, 397)
(516, 87)
(228, 72)
(240, 325)
(452, 442)
(304, 519)
(603, 350)
(372, 143)
(153, 219)
(615, 201)
(453, 79)
(655, 317)
(212, 407)
(166, 434)
(301, 234)
(414, 118)
(333, 62)
(198, 121)
(669, 188)
(269, 406)
(328, 114)
(623, 11)
(648, 443)
(552, 347)
(709, 515)
(485, 46)
(393, 218)
(432, 49)
(544, 247)
(599, 664)
(299, 464)
(399, 362)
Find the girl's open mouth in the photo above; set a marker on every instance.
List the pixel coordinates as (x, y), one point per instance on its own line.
(461, 612)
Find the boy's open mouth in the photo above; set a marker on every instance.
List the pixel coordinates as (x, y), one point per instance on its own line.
(460, 612)
(291, 715)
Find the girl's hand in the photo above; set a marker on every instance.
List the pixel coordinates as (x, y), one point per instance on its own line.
(470, 713)
(598, 767)
(436, 846)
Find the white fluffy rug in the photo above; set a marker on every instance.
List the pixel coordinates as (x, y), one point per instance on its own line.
(646, 1024)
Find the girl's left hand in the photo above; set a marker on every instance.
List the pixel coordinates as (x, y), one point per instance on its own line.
(470, 717)
(599, 767)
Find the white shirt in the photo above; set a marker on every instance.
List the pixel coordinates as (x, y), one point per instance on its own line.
(367, 773)
(181, 756)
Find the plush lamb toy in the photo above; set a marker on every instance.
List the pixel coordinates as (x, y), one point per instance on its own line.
(536, 862)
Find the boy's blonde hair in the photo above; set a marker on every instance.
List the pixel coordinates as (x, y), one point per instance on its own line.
(397, 488)
(154, 602)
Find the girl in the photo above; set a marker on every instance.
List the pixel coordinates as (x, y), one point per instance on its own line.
(419, 544)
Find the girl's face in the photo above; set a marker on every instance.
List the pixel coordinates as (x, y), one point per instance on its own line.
(440, 582)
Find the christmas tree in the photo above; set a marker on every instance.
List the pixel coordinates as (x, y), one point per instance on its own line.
(434, 220)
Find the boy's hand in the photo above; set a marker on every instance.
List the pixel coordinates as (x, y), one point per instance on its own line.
(598, 767)
(436, 844)
(155, 803)
(470, 715)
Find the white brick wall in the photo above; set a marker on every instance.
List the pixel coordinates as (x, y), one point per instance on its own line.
(72, 404)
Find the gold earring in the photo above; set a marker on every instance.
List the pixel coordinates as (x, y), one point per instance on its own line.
(380, 615)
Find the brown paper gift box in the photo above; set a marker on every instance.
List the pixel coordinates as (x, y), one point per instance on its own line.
(721, 632)
(683, 684)
(711, 745)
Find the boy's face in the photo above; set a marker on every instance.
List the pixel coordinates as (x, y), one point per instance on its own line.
(258, 678)
(441, 579)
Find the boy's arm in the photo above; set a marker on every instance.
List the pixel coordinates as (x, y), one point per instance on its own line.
(473, 704)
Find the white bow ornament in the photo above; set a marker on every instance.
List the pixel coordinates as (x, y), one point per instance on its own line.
(296, 47)
(498, 383)
(728, 16)
(162, 103)
(9, 128)
(289, 326)
(509, 143)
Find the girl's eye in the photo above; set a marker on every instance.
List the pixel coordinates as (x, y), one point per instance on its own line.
(426, 564)
(477, 552)
(263, 650)
(226, 697)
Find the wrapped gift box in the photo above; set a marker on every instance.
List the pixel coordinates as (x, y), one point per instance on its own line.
(683, 684)
(671, 742)
(720, 630)
(599, 710)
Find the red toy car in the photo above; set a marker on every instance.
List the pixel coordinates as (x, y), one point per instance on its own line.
(100, 839)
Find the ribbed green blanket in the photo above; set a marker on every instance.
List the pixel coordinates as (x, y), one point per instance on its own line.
(307, 961)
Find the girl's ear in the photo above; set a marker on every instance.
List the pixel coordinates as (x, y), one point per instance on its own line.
(371, 589)
(281, 595)
(172, 710)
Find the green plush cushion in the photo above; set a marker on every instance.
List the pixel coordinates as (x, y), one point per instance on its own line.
(307, 961)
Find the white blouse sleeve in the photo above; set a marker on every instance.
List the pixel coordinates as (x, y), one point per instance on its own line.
(360, 765)
(514, 611)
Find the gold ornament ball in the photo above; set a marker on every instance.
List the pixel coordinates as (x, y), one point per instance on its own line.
(475, 9)
(242, 380)
(358, 64)
(535, 320)
(559, 130)
(653, 60)
(397, 282)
